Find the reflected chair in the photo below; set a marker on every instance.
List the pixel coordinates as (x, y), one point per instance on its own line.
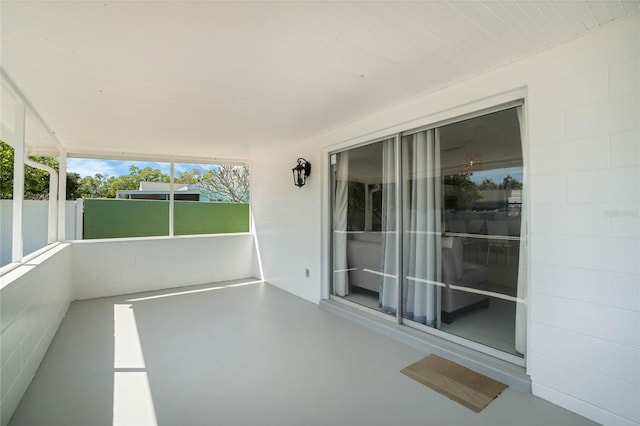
(498, 228)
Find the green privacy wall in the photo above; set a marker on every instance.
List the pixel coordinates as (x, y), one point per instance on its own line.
(146, 218)
(210, 218)
(124, 218)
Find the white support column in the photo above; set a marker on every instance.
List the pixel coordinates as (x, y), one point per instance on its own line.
(18, 182)
(52, 223)
(62, 196)
(171, 197)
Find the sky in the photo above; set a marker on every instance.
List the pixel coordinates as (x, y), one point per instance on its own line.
(91, 166)
(497, 175)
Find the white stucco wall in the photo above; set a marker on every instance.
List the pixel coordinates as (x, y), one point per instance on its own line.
(583, 156)
(34, 298)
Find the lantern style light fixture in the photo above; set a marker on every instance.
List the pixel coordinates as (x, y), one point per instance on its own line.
(301, 172)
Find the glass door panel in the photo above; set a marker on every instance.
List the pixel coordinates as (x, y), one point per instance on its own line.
(364, 236)
(462, 268)
(482, 183)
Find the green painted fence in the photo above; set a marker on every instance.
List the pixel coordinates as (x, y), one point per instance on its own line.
(210, 218)
(110, 218)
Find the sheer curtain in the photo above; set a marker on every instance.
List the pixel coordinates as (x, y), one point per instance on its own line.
(389, 290)
(521, 304)
(340, 273)
(422, 217)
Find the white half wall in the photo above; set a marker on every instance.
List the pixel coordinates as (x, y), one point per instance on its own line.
(122, 266)
(34, 298)
(583, 172)
(35, 295)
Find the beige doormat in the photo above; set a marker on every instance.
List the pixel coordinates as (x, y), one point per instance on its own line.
(471, 389)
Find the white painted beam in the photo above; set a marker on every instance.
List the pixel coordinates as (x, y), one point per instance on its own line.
(171, 197)
(18, 181)
(12, 89)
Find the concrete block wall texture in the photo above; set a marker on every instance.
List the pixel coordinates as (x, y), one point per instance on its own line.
(32, 307)
(111, 267)
(288, 221)
(35, 296)
(584, 173)
(582, 161)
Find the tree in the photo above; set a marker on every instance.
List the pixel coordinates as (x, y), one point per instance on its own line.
(36, 181)
(488, 184)
(222, 183)
(6, 171)
(193, 177)
(460, 187)
(508, 182)
(94, 186)
(511, 183)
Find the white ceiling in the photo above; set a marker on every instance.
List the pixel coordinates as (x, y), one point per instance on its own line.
(230, 79)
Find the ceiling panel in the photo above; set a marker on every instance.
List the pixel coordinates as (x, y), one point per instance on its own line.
(615, 8)
(229, 79)
(600, 11)
(631, 7)
(581, 13)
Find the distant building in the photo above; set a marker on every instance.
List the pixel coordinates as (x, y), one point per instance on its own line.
(160, 191)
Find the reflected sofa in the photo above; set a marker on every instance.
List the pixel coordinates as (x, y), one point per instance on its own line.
(364, 251)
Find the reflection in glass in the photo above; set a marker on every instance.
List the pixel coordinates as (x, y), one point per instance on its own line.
(482, 173)
(364, 225)
(462, 268)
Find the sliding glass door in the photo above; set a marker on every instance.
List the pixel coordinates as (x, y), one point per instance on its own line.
(459, 196)
(364, 225)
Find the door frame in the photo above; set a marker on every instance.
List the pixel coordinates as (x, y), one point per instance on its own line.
(511, 99)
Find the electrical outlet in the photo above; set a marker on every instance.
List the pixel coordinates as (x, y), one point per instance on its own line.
(306, 273)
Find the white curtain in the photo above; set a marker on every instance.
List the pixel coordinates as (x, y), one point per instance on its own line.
(340, 273)
(389, 286)
(521, 305)
(422, 225)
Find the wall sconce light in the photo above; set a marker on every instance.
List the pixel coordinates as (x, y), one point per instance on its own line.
(301, 172)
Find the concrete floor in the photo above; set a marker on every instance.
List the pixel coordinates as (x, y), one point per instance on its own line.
(229, 354)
